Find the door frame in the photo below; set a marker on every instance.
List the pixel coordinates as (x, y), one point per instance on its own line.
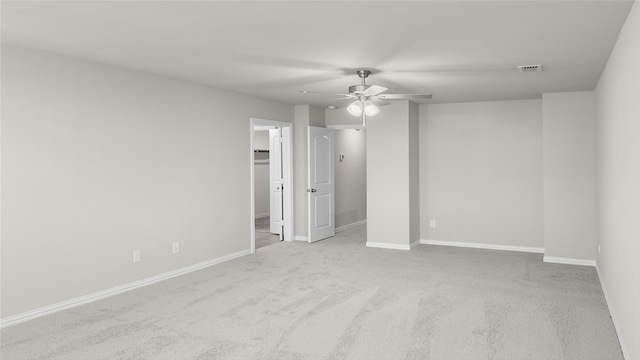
(275, 163)
(287, 179)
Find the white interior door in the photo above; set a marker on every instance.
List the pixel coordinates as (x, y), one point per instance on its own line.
(275, 180)
(321, 185)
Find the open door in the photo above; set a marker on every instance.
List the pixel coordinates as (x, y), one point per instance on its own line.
(275, 181)
(321, 183)
(284, 159)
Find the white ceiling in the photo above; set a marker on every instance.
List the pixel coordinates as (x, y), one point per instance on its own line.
(456, 50)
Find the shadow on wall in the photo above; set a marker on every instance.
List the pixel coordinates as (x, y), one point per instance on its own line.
(351, 177)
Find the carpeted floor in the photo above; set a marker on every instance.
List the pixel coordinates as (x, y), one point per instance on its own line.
(263, 235)
(262, 224)
(337, 299)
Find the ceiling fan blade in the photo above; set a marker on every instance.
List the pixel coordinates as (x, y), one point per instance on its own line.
(379, 102)
(405, 96)
(374, 90)
(323, 93)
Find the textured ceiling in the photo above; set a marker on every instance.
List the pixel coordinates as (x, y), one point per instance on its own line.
(456, 50)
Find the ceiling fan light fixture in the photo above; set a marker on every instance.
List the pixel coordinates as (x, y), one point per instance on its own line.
(355, 108)
(367, 99)
(370, 109)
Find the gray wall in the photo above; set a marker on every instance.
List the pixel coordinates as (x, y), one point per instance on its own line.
(481, 172)
(351, 177)
(342, 117)
(618, 181)
(389, 176)
(99, 161)
(568, 136)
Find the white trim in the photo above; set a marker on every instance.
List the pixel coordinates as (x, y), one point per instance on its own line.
(568, 261)
(349, 226)
(287, 169)
(616, 325)
(388, 246)
(301, 238)
(345, 126)
(483, 246)
(252, 191)
(414, 244)
(263, 127)
(64, 305)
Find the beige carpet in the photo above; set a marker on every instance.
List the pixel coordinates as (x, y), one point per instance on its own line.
(337, 299)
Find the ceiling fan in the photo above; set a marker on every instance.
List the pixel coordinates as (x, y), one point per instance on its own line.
(368, 98)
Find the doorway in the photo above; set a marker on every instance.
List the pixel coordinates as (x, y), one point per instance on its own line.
(271, 182)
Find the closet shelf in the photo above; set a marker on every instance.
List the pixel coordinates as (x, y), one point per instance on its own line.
(260, 156)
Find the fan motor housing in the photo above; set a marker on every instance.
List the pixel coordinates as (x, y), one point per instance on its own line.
(356, 89)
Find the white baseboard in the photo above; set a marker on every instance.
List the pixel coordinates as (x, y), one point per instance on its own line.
(388, 246)
(68, 304)
(414, 244)
(616, 325)
(568, 261)
(483, 246)
(349, 226)
(301, 238)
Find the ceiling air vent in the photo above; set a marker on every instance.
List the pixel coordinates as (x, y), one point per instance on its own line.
(530, 68)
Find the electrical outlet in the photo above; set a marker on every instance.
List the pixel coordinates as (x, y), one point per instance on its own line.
(176, 247)
(432, 223)
(136, 256)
